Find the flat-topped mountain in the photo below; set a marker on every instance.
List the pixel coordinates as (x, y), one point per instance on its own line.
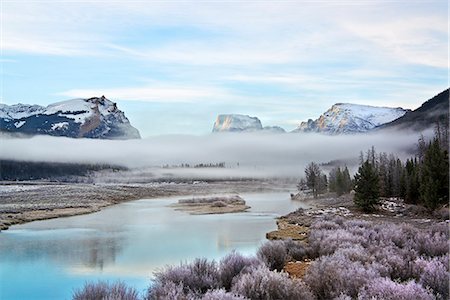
(242, 123)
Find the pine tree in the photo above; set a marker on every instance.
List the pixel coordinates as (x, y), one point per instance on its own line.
(434, 175)
(367, 188)
(347, 181)
(314, 179)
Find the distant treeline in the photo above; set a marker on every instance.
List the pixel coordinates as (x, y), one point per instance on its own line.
(202, 165)
(28, 170)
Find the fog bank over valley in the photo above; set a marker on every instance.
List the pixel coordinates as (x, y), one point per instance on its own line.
(243, 154)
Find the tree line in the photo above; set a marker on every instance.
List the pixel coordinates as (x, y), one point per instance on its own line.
(422, 179)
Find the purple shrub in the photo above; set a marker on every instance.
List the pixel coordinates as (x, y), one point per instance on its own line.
(330, 276)
(261, 283)
(104, 291)
(195, 278)
(168, 291)
(343, 297)
(273, 254)
(232, 265)
(326, 242)
(221, 295)
(435, 275)
(295, 250)
(398, 262)
(386, 289)
(432, 243)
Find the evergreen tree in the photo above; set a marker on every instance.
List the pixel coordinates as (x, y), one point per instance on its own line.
(340, 181)
(367, 188)
(434, 175)
(314, 179)
(347, 181)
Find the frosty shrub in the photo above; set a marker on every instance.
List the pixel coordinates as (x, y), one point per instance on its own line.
(399, 262)
(330, 276)
(195, 278)
(105, 291)
(221, 295)
(343, 297)
(168, 291)
(386, 289)
(273, 254)
(261, 283)
(232, 265)
(435, 276)
(295, 250)
(432, 243)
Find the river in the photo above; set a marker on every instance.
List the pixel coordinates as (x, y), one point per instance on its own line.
(129, 241)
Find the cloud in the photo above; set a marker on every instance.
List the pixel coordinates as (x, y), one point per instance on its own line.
(165, 94)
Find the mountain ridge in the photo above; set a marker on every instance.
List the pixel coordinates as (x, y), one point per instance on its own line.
(344, 118)
(95, 117)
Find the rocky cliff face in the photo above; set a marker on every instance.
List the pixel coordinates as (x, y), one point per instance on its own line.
(236, 123)
(242, 123)
(95, 117)
(351, 118)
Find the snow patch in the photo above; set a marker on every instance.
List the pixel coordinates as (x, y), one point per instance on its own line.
(19, 124)
(60, 126)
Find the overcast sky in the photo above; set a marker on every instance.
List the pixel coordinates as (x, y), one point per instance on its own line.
(172, 66)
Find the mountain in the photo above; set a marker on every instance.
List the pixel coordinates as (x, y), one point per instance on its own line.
(434, 110)
(90, 118)
(242, 123)
(351, 118)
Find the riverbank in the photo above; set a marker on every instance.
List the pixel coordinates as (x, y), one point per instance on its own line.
(31, 201)
(391, 213)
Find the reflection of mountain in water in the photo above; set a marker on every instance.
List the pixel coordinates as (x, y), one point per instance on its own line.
(86, 249)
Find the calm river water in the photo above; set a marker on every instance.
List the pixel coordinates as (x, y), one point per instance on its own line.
(129, 241)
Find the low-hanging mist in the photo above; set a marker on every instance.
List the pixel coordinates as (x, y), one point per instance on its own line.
(244, 154)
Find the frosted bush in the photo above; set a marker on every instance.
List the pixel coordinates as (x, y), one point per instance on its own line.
(386, 289)
(106, 291)
(197, 277)
(295, 250)
(325, 242)
(432, 243)
(435, 276)
(168, 291)
(221, 295)
(343, 297)
(273, 254)
(261, 283)
(232, 265)
(399, 262)
(329, 276)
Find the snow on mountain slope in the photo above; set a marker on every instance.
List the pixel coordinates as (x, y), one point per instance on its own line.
(95, 117)
(351, 118)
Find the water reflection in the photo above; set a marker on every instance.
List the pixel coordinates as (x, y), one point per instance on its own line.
(128, 241)
(84, 247)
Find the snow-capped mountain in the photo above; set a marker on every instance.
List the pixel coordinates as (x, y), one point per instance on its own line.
(351, 118)
(91, 118)
(242, 123)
